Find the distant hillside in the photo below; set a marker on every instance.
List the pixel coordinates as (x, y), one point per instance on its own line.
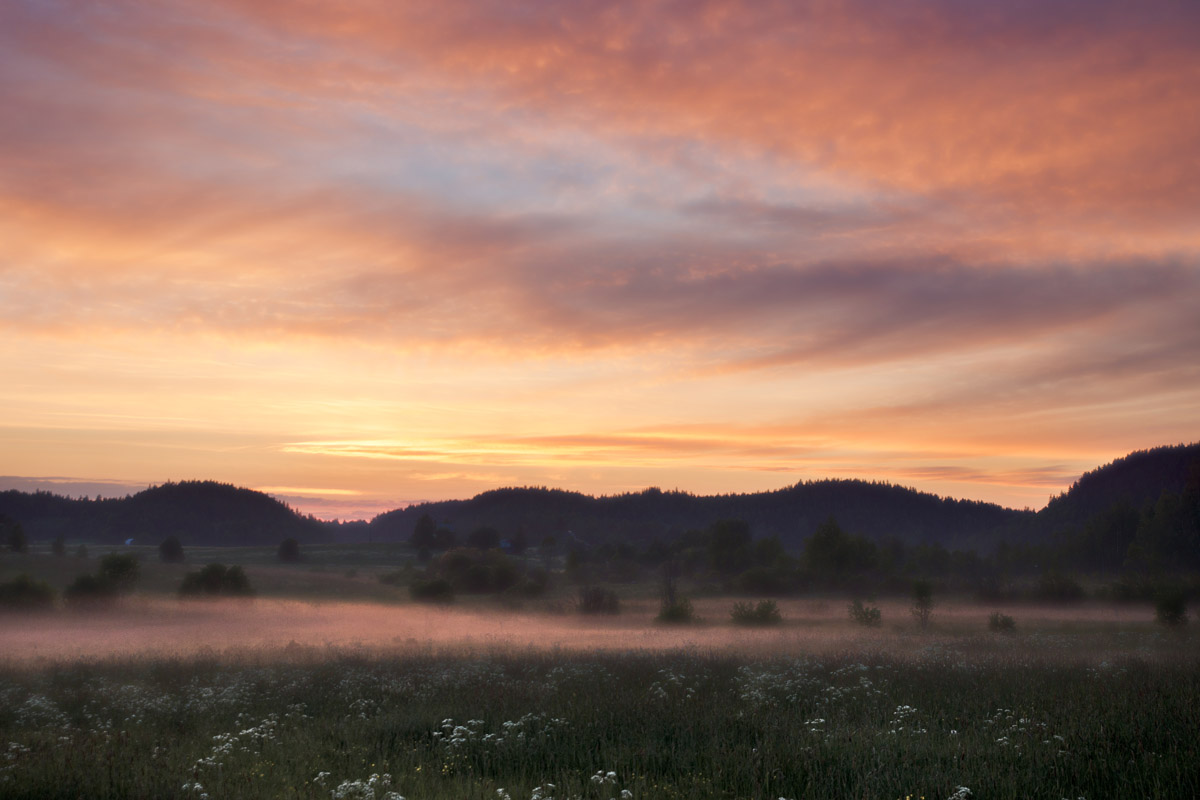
(1134, 481)
(877, 510)
(198, 512)
(1141, 512)
(1140, 509)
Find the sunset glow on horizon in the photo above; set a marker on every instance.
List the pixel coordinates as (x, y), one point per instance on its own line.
(365, 253)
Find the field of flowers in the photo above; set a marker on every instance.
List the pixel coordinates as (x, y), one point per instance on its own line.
(945, 720)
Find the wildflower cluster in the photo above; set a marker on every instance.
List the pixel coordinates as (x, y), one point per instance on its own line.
(374, 787)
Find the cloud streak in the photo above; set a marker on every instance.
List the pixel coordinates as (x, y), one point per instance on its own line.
(570, 222)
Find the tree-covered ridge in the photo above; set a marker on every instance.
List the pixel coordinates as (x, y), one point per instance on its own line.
(871, 508)
(1140, 512)
(1131, 481)
(196, 512)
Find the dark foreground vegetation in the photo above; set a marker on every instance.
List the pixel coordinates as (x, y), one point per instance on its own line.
(962, 718)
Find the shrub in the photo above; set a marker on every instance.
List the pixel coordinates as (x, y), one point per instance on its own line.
(1170, 606)
(171, 550)
(476, 571)
(864, 615)
(922, 604)
(532, 585)
(24, 594)
(289, 551)
(1001, 623)
(766, 612)
(81, 551)
(434, 590)
(89, 591)
(598, 600)
(679, 612)
(120, 571)
(216, 580)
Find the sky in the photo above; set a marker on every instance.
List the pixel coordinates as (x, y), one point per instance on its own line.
(364, 253)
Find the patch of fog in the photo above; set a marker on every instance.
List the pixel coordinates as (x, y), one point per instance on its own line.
(166, 627)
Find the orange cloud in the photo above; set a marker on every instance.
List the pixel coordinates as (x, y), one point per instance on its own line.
(822, 234)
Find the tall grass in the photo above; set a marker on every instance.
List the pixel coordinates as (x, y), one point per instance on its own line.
(309, 723)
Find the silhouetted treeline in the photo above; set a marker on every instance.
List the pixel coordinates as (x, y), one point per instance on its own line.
(871, 536)
(1139, 513)
(194, 512)
(877, 510)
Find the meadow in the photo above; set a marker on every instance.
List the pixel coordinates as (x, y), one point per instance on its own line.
(279, 699)
(331, 683)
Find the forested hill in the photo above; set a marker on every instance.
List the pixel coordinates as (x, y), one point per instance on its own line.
(1141, 511)
(1135, 481)
(198, 512)
(877, 510)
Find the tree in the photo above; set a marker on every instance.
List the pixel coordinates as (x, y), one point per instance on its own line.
(289, 551)
(767, 551)
(729, 546)
(14, 535)
(832, 552)
(171, 550)
(922, 605)
(825, 550)
(59, 546)
(424, 532)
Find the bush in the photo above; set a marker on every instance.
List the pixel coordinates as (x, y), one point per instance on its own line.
(476, 571)
(766, 612)
(864, 615)
(678, 613)
(216, 580)
(532, 585)
(119, 571)
(922, 604)
(598, 600)
(434, 590)
(1001, 623)
(171, 550)
(24, 594)
(89, 591)
(81, 551)
(1170, 607)
(289, 551)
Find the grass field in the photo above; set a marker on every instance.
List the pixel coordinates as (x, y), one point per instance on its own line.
(333, 685)
(559, 707)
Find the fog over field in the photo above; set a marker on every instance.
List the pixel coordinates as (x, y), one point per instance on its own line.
(148, 626)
